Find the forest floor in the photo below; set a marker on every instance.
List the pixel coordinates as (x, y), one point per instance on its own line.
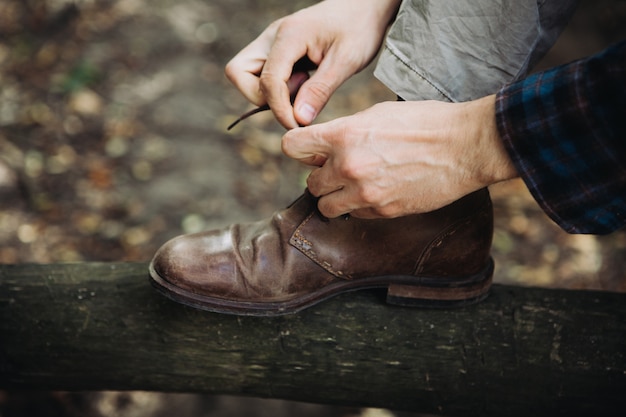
(113, 138)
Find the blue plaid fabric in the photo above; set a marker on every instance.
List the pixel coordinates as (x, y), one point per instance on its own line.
(565, 130)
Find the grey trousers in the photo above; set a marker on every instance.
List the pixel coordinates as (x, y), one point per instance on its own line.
(460, 50)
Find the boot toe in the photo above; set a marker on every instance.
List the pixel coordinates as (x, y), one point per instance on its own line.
(201, 263)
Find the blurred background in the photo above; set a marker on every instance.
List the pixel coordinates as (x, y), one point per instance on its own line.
(113, 139)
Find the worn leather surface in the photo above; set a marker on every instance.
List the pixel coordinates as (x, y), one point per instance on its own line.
(298, 251)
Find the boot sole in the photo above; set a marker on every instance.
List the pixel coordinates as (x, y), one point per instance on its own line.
(402, 290)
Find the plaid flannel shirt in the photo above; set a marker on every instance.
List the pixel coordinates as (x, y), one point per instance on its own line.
(565, 130)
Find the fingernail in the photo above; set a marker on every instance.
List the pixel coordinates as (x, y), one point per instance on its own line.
(307, 113)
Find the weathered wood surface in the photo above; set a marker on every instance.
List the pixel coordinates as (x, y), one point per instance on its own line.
(521, 352)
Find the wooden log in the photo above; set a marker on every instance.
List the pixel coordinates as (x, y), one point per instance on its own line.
(524, 351)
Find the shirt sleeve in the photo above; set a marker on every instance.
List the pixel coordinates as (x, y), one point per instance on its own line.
(565, 130)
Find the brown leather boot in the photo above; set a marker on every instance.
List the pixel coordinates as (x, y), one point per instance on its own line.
(298, 258)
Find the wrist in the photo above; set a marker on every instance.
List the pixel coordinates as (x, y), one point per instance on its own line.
(495, 164)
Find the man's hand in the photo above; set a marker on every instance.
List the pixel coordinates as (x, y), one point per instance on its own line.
(340, 37)
(400, 158)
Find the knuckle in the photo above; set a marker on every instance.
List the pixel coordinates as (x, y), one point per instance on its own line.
(351, 168)
(286, 25)
(291, 25)
(388, 211)
(326, 209)
(369, 195)
(376, 198)
(287, 148)
(313, 189)
(286, 143)
(276, 24)
(230, 69)
(270, 87)
(266, 82)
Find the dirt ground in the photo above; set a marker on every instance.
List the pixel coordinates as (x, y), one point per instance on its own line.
(113, 139)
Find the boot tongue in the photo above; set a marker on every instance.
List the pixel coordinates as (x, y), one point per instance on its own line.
(307, 203)
(306, 197)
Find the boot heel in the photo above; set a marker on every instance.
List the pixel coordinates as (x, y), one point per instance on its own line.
(441, 294)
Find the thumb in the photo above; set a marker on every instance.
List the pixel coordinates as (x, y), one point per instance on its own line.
(316, 91)
(304, 144)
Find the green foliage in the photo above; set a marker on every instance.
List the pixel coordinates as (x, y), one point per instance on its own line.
(83, 74)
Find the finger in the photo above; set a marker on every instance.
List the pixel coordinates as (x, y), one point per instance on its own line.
(335, 204)
(366, 213)
(321, 181)
(340, 203)
(245, 68)
(293, 84)
(274, 81)
(243, 73)
(317, 90)
(307, 145)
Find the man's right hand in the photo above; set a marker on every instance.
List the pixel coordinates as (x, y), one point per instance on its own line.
(341, 37)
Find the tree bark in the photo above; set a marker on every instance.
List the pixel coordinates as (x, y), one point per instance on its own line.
(523, 351)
